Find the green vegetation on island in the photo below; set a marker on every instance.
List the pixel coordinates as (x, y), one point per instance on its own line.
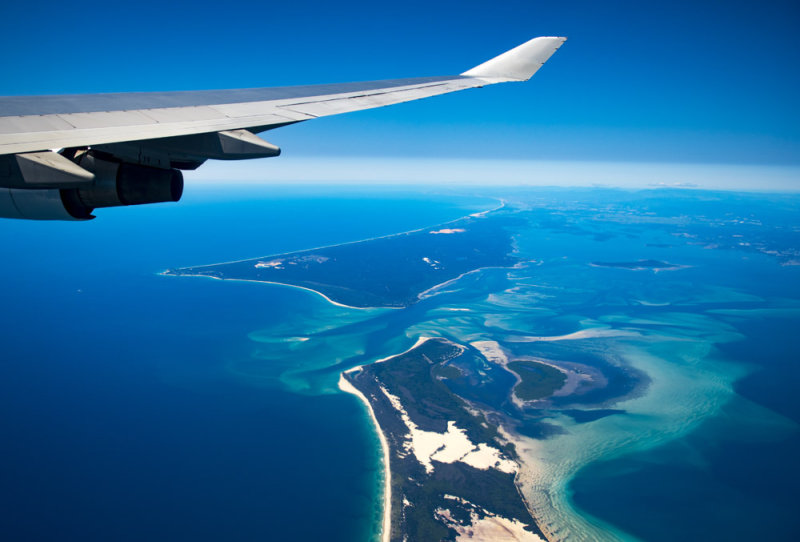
(388, 271)
(537, 380)
(407, 395)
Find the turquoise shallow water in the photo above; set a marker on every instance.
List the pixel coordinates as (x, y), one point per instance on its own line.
(141, 406)
(720, 464)
(734, 476)
(676, 365)
(127, 408)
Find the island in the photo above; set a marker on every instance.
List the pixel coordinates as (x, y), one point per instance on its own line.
(461, 413)
(392, 271)
(548, 342)
(537, 380)
(451, 470)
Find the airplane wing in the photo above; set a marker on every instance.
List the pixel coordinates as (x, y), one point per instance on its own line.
(63, 156)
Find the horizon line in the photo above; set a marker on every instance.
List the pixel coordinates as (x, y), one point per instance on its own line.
(472, 172)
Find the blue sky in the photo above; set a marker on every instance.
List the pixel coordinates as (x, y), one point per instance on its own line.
(666, 83)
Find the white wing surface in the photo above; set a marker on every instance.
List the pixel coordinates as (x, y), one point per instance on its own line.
(127, 135)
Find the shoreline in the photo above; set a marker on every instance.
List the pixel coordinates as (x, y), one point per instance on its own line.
(479, 214)
(420, 341)
(386, 522)
(347, 387)
(432, 291)
(422, 295)
(425, 294)
(524, 477)
(326, 298)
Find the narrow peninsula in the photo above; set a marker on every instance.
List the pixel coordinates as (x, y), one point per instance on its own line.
(392, 271)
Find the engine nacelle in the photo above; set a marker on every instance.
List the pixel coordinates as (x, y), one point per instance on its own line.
(121, 183)
(116, 184)
(33, 204)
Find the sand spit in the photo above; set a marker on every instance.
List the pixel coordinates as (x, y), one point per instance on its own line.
(487, 211)
(433, 290)
(326, 298)
(592, 333)
(420, 342)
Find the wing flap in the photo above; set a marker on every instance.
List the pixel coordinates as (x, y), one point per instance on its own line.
(23, 142)
(41, 170)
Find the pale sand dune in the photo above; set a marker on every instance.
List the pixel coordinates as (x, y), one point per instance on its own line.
(483, 525)
(453, 445)
(496, 529)
(486, 456)
(449, 447)
(448, 231)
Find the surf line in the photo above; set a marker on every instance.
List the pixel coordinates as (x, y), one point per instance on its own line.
(347, 387)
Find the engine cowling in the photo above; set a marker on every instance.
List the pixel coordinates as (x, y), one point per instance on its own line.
(32, 204)
(116, 184)
(122, 183)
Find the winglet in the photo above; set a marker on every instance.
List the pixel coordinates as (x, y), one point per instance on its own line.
(520, 63)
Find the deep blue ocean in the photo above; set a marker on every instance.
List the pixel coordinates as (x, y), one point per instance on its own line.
(117, 422)
(135, 406)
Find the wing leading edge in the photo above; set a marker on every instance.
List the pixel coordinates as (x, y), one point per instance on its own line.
(180, 130)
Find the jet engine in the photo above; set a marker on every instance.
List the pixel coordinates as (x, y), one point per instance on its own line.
(115, 183)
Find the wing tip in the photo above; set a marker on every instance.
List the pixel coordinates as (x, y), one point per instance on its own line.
(519, 63)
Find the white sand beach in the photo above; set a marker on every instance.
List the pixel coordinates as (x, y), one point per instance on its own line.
(347, 387)
(326, 298)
